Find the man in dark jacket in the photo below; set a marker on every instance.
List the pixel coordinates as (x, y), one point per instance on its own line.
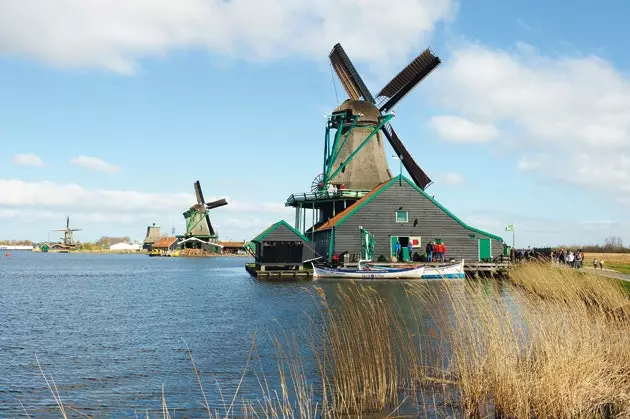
(429, 251)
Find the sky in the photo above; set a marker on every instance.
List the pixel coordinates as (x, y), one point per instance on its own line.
(111, 109)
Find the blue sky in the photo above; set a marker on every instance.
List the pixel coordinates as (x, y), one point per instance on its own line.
(110, 113)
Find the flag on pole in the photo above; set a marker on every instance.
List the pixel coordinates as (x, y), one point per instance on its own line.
(509, 227)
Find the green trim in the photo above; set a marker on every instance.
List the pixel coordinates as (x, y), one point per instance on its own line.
(383, 120)
(331, 243)
(274, 227)
(361, 204)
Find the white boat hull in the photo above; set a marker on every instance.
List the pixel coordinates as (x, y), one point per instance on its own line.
(368, 273)
(452, 271)
(455, 271)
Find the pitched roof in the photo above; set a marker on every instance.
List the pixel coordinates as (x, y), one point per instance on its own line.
(232, 244)
(275, 226)
(339, 218)
(341, 215)
(165, 242)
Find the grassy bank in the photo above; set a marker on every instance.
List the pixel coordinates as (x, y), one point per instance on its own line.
(619, 262)
(548, 343)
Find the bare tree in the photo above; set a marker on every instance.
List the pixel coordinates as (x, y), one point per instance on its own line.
(613, 243)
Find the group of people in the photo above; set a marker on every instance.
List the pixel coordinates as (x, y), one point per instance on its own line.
(435, 251)
(574, 259)
(399, 253)
(519, 255)
(568, 257)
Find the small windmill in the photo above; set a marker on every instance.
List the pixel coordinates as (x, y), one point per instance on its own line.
(198, 219)
(386, 99)
(68, 233)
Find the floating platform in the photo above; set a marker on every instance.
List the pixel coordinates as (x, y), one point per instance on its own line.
(277, 273)
(280, 273)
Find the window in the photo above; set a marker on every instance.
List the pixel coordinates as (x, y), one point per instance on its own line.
(402, 216)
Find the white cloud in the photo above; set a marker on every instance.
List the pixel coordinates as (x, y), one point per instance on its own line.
(458, 129)
(541, 231)
(114, 34)
(568, 117)
(451, 179)
(51, 202)
(28, 160)
(95, 164)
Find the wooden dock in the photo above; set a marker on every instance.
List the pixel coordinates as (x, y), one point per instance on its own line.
(266, 274)
(472, 270)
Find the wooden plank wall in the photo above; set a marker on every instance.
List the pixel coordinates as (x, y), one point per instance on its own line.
(425, 220)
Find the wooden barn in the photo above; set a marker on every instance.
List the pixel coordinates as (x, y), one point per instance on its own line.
(281, 245)
(399, 211)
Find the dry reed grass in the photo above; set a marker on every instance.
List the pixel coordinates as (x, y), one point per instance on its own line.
(550, 350)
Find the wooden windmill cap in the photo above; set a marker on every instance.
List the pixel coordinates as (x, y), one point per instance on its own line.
(370, 113)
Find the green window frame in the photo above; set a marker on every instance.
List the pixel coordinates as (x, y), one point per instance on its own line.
(402, 216)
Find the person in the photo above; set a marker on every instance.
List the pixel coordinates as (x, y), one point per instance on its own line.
(594, 263)
(443, 252)
(410, 248)
(335, 260)
(438, 252)
(601, 264)
(429, 250)
(397, 250)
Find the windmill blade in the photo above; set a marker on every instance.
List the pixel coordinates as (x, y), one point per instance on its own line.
(406, 80)
(198, 192)
(350, 79)
(216, 204)
(210, 228)
(417, 174)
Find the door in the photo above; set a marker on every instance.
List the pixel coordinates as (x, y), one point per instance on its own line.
(404, 245)
(485, 249)
(392, 247)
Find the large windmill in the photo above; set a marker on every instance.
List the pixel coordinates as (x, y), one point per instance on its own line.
(354, 158)
(68, 233)
(198, 223)
(354, 153)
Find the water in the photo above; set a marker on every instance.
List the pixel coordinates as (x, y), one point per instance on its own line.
(112, 329)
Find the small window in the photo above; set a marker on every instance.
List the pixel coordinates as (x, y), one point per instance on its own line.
(402, 216)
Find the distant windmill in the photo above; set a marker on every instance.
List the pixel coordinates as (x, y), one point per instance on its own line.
(198, 219)
(68, 233)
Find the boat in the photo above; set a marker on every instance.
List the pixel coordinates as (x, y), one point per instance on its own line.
(451, 271)
(366, 272)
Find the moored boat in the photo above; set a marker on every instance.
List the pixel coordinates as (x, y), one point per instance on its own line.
(365, 272)
(450, 271)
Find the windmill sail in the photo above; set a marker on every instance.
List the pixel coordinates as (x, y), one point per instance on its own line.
(406, 80)
(198, 192)
(350, 79)
(418, 175)
(216, 204)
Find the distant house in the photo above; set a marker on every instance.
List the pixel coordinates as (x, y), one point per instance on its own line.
(122, 246)
(165, 245)
(233, 248)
